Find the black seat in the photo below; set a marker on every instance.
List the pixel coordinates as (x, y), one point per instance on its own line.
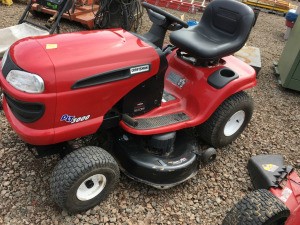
(223, 29)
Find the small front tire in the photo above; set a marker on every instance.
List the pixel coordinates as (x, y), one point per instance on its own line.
(209, 155)
(83, 179)
(228, 121)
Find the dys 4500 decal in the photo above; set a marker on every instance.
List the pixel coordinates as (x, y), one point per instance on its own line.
(73, 119)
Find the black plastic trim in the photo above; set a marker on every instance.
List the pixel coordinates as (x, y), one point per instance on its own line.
(222, 77)
(9, 65)
(111, 120)
(265, 170)
(25, 111)
(40, 151)
(107, 77)
(149, 93)
(162, 56)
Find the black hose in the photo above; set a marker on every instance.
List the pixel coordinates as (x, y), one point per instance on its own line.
(126, 14)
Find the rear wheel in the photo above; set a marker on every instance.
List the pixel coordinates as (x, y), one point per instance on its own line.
(228, 121)
(259, 207)
(83, 179)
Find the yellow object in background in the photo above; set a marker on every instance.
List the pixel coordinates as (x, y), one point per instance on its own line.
(7, 2)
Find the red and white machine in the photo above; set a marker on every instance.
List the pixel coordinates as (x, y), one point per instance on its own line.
(137, 99)
(276, 199)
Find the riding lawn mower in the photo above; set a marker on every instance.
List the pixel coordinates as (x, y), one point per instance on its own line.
(276, 198)
(143, 105)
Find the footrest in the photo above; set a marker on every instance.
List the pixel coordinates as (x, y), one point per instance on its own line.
(160, 121)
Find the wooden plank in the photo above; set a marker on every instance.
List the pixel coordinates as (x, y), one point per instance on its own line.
(271, 5)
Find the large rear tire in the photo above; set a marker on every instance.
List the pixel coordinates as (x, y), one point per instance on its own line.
(83, 179)
(228, 121)
(259, 207)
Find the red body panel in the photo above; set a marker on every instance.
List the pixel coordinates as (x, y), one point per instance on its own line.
(197, 98)
(289, 193)
(61, 60)
(71, 60)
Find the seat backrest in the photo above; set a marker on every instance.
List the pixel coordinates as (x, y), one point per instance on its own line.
(223, 30)
(230, 19)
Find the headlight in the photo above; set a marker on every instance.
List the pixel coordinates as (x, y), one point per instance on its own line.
(4, 58)
(26, 82)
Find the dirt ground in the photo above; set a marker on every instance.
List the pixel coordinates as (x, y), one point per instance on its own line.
(204, 199)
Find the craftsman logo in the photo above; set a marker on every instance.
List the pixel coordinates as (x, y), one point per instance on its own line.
(72, 119)
(139, 69)
(180, 161)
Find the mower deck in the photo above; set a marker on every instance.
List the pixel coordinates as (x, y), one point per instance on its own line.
(140, 163)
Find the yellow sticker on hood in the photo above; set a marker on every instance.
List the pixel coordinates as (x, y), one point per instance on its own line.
(51, 46)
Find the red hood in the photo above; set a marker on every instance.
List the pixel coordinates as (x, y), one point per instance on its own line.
(83, 54)
(74, 56)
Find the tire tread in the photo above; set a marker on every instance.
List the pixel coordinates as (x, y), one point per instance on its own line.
(78, 162)
(208, 131)
(256, 208)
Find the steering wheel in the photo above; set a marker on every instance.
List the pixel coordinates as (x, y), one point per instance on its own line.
(169, 16)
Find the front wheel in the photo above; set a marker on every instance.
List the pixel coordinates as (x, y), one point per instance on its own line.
(228, 121)
(259, 207)
(83, 179)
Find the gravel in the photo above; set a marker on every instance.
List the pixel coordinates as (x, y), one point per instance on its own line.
(204, 199)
